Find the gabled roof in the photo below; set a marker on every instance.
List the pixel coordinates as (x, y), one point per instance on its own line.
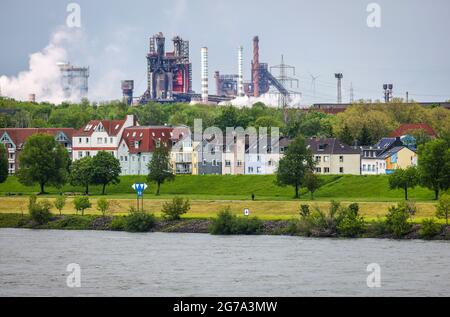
(405, 128)
(393, 151)
(330, 146)
(147, 138)
(19, 135)
(111, 127)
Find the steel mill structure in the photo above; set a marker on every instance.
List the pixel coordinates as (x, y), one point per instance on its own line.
(169, 74)
(74, 81)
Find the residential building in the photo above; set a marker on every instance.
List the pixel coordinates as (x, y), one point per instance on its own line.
(100, 135)
(387, 155)
(334, 157)
(399, 157)
(233, 155)
(14, 140)
(183, 157)
(138, 144)
(262, 157)
(209, 154)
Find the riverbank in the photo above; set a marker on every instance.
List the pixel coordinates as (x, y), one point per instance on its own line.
(373, 229)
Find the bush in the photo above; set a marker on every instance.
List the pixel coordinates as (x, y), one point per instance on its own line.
(119, 223)
(72, 223)
(429, 229)
(39, 211)
(227, 224)
(103, 206)
(304, 211)
(139, 221)
(351, 224)
(82, 203)
(397, 221)
(174, 209)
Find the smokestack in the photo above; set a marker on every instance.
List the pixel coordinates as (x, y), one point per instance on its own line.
(240, 91)
(204, 70)
(127, 91)
(256, 66)
(32, 97)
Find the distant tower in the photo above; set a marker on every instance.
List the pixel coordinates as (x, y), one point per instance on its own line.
(204, 70)
(339, 77)
(256, 67)
(127, 91)
(352, 94)
(388, 90)
(240, 91)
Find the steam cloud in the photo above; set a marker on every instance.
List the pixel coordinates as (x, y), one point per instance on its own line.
(43, 78)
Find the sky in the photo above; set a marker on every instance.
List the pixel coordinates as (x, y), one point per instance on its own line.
(410, 49)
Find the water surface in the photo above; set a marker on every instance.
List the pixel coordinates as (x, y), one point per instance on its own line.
(33, 263)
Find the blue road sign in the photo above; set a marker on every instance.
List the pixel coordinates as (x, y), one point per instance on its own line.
(140, 188)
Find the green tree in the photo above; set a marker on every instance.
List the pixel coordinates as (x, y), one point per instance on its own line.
(312, 183)
(81, 203)
(43, 161)
(346, 136)
(160, 168)
(443, 207)
(60, 202)
(81, 173)
(404, 179)
(434, 166)
(103, 206)
(3, 164)
(39, 211)
(365, 138)
(106, 170)
(294, 165)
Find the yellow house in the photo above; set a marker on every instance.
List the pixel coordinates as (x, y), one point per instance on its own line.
(399, 157)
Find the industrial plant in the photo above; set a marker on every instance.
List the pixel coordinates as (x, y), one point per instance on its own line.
(74, 81)
(169, 77)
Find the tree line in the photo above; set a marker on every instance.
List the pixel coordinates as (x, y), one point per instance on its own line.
(379, 119)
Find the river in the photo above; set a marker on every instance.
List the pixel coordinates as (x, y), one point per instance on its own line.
(34, 263)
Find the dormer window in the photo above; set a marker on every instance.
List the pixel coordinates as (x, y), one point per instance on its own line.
(137, 144)
(322, 147)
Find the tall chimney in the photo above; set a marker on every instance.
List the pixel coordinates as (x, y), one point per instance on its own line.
(240, 91)
(204, 70)
(256, 66)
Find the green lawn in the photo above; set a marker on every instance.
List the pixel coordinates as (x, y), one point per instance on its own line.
(213, 187)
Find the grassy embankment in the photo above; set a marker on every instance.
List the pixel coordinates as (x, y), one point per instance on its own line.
(209, 194)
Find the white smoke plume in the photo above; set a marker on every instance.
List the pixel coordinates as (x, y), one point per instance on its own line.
(43, 78)
(269, 99)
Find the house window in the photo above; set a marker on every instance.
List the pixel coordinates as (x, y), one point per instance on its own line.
(80, 155)
(318, 170)
(239, 163)
(80, 140)
(87, 140)
(121, 158)
(341, 159)
(258, 170)
(364, 167)
(250, 169)
(258, 158)
(341, 170)
(214, 163)
(227, 163)
(326, 158)
(204, 162)
(88, 154)
(99, 140)
(327, 170)
(111, 140)
(126, 158)
(318, 159)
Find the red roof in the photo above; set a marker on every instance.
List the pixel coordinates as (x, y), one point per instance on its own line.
(147, 138)
(405, 128)
(19, 136)
(112, 127)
